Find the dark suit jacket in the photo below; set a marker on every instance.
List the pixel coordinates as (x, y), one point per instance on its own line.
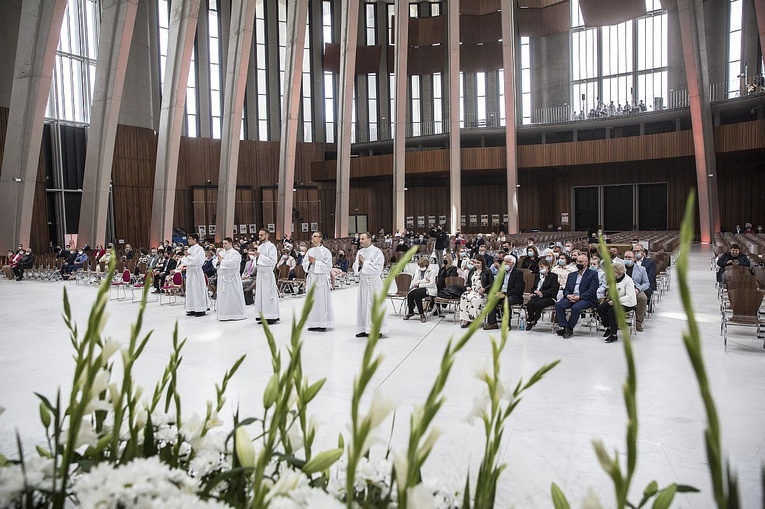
(487, 278)
(650, 268)
(588, 288)
(515, 284)
(550, 286)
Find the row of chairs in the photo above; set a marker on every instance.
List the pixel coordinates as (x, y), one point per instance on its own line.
(741, 296)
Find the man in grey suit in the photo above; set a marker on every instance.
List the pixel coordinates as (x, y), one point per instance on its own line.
(642, 285)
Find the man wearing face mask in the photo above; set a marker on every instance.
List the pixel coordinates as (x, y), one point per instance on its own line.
(578, 294)
(488, 260)
(442, 242)
(642, 285)
(641, 258)
(512, 290)
(542, 294)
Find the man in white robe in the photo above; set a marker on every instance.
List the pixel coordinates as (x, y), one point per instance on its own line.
(317, 263)
(229, 290)
(369, 266)
(266, 292)
(196, 288)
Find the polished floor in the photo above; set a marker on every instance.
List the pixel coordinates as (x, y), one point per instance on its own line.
(548, 438)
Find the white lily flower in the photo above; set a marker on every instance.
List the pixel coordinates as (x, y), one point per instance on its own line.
(402, 467)
(295, 437)
(480, 403)
(244, 448)
(484, 372)
(100, 383)
(430, 440)
(421, 497)
(379, 409)
(289, 481)
(110, 347)
(591, 500)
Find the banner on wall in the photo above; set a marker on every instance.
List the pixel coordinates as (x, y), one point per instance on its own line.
(442, 220)
(202, 230)
(253, 228)
(211, 229)
(304, 227)
(495, 219)
(421, 221)
(484, 219)
(243, 229)
(505, 219)
(271, 228)
(431, 220)
(473, 220)
(410, 221)
(564, 218)
(314, 227)
(462, 221)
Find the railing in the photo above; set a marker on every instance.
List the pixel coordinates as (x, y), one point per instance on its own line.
(676, 99)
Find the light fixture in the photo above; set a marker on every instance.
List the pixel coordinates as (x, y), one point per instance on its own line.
(710, 175)
(17, 179)
(517, 185)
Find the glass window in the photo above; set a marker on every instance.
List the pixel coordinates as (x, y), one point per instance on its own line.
(261, 66)
(74, 71)
(213, 29)
(438, 103)
(735, 80)
(372, 95)
(525, 82)
(416, 106)
(329, 80)
(371, 34)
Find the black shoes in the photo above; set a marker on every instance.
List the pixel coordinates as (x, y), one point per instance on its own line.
(568, 332)
(199, 313)
(560, 331)
(317, 329)
(190, 313)
(607, 333)
(530, 325)
(408, 316)
(362, 335)
(612, 338)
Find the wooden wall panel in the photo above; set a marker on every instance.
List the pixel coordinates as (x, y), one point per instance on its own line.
(135, 153)
(740, 136)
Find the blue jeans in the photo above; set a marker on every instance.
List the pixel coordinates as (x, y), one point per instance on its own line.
(576, 309)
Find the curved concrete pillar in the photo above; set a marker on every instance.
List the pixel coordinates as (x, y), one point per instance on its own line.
(511, 148)
(117, 23)
(180, 44)
(39, 31)
(402, 99)
(455, 143)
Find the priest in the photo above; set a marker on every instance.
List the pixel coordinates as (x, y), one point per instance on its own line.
(317, 263)
(266, 292)
(229, 290)
(369, 266)
(196, 288)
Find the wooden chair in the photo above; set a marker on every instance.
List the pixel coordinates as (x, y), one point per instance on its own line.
(451, 305)
(745, 311)
(119, 283)
(403, 282)
(282, 279)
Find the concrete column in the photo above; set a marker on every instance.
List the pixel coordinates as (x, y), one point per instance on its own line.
(39, 31)
(402, 101)
(317, 72)
(383, 75)
(140, 100)
(240, 44)
(180, 44)
(117, 22)
(349, 31)
(694, 50)
(453, 92)
(9, 27)
(508, 63)
(272, 56)
(759, 12)
(293, 78)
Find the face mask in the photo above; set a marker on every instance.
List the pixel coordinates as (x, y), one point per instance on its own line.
(561, 262)
(638, 256)
(506, 249)
(508, 268)
(530, 253)
(549, 258)
(470, 266)
(543, 271)
(594, 267)
(580, 266)
(628, 263)
(567, 249)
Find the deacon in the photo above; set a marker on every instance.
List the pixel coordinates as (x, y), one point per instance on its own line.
(229, 289)
(368, 265)
(317, 263)
(266, 292)
(196, 288)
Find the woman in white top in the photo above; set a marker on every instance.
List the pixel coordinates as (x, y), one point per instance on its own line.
(423, 284)
(625, 288)
(562, 269)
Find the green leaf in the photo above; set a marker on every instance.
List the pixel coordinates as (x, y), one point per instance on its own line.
(42, 452)
(312, 391)
(44, 415)
(149, 449)
(684, 488)
(559, 499)
(322, 461)
(665, 497)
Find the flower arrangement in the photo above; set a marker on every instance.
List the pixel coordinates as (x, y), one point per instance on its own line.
(113, 444)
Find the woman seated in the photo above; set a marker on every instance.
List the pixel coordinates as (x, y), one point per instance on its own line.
(339, 268)
(531, 261)
(625, 288)
(423, 285)
(448, 269)
(543, 294)
(478, 283)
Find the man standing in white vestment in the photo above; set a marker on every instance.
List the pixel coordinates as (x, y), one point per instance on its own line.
(229, 289)
(317, 263)
(368, 265)
(266, 292)
(196, 288)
